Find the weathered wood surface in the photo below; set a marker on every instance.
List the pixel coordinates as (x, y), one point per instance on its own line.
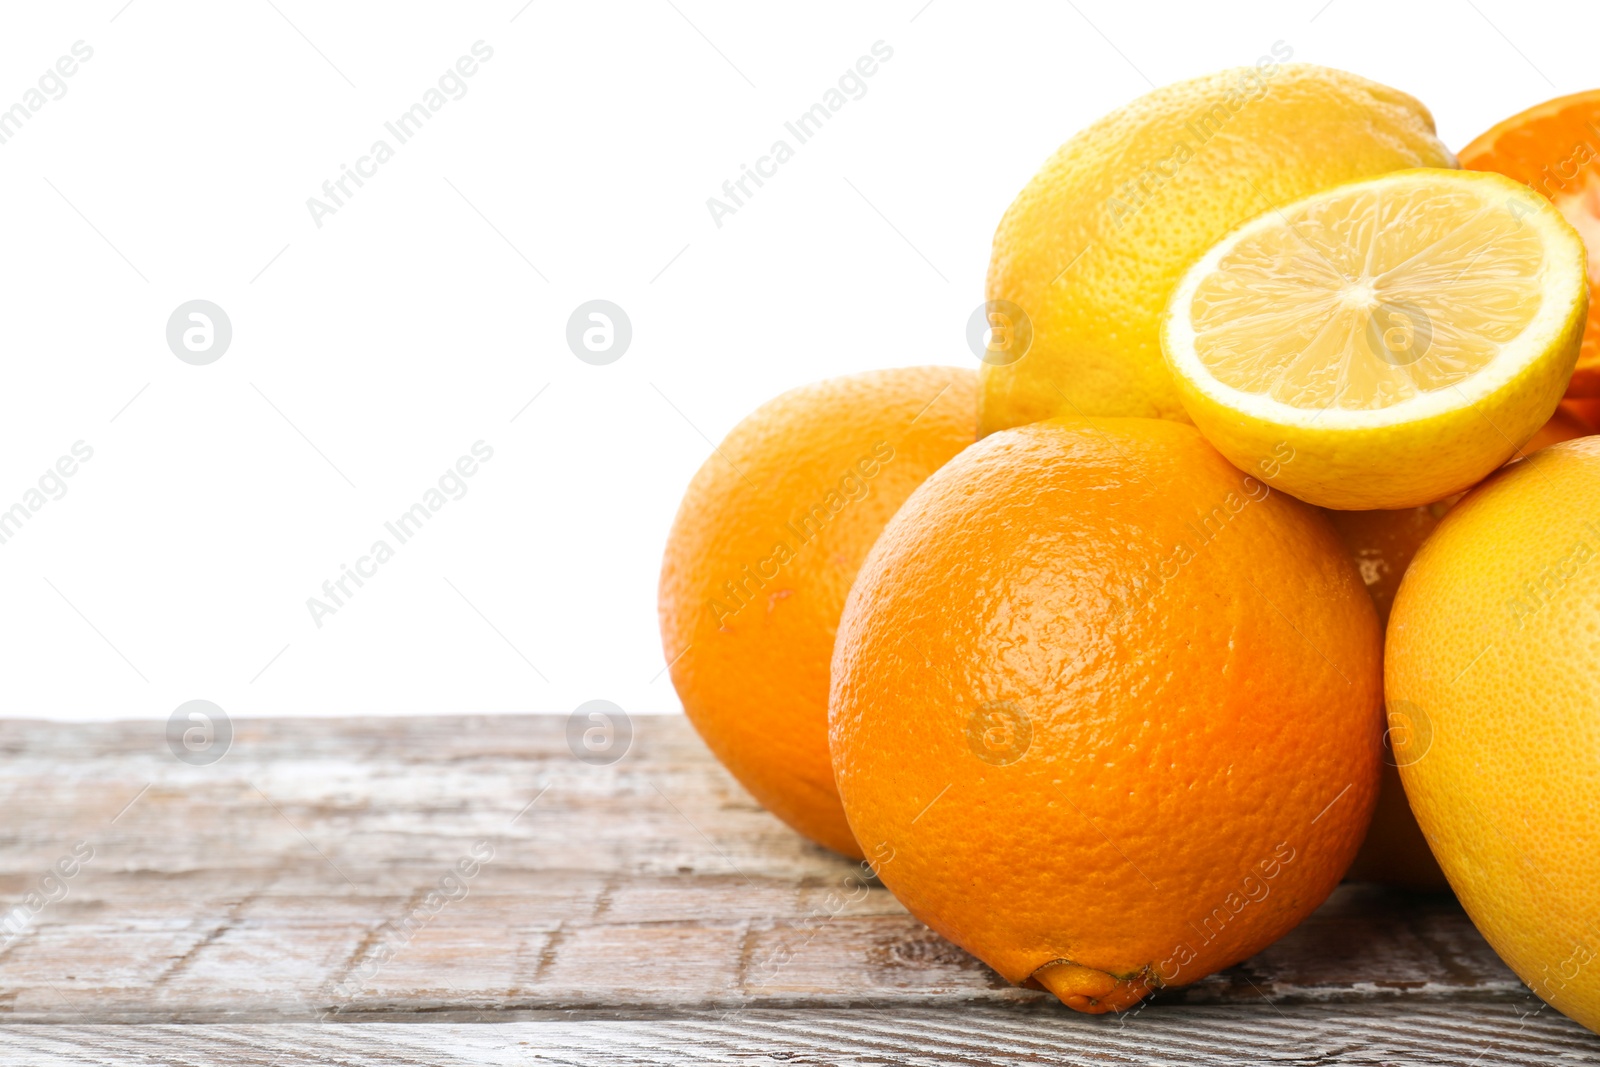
(1182, 1036)
(648, 908)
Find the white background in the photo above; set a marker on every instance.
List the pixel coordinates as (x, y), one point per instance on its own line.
(374, 351)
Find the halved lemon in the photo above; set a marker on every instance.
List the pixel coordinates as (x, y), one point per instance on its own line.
(1385, 343)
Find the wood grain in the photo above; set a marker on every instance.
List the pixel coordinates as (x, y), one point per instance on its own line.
(1178, 1036)
(649, 904)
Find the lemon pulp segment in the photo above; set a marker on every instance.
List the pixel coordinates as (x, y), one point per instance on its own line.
(1365, 300)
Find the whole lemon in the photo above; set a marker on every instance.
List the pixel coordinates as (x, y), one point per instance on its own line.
(766, 542)
(1087, 256)
(1105, 710)
(1492, 696)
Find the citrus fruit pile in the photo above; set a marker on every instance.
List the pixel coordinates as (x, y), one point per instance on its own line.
(1261, 551)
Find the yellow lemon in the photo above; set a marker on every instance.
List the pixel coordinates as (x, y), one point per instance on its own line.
(1087, 256)
(1384, 343)
(1491, 684)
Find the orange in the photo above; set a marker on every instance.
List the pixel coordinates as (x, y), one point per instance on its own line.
(765, 545)
(1554, 148)
(1105, 709)
(1564, 425)
(1383, 544)
(1491, 654)
(1585, 410)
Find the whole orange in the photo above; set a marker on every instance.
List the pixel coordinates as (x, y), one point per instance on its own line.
(1106, 709)
(766, 543)
(1383, 544)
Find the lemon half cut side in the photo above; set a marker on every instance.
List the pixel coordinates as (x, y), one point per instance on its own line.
(1384, 343)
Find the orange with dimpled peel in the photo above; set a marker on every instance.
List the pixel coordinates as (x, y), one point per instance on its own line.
(767, 540)
(1111, 705)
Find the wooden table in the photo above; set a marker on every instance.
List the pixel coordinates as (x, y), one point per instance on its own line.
(256, 911)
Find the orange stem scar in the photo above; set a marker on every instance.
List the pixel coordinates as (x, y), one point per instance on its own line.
(1092, 991)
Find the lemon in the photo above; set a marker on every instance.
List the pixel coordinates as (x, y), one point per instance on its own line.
(1491, 687)
(1384, 343)
(1086, 257)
